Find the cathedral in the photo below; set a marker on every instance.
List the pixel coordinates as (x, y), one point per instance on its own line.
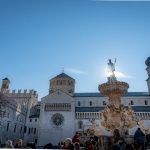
(62, 112)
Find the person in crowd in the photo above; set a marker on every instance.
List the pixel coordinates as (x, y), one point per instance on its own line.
(9, 144)
(89, 145)
(147, 140)
(48, 146)
(116, 145)
(116, 135)
(19, 144)
(130, 147)
(61, 144)
(110, 143)
(76, 138)
(122, 144)
(76, 146)
(31, 145)
(139, 138)
(68, 144)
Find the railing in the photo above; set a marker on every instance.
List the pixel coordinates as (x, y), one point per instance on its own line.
(96, 115)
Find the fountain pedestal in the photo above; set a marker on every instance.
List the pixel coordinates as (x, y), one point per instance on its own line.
(115, 115)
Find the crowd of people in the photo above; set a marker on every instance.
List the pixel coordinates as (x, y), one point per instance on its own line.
(141, 142)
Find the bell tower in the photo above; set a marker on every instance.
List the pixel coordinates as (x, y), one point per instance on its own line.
(62, 82)
(5, 85)
(147, 62)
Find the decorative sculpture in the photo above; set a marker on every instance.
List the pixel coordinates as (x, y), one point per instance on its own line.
(111, 70)
(115, 115)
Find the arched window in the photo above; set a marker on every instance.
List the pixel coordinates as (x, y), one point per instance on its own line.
(79, 103)
(90, 103)
(80, 125)
(146, 102)
(132, 103)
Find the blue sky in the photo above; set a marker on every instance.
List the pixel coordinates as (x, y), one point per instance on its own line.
(40, 37)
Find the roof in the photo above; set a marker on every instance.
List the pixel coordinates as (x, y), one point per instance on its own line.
(98, 109)
(5, 79)
(100, 95)
(63, 75)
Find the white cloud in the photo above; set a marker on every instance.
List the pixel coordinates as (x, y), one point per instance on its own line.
(122, 75)
(75, 71)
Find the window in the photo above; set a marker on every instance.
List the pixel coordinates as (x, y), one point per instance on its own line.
(80, 124)
(36, 141)
(29, 131)
(25, 129)
(90, 103)
(146, 102)
(104, 103)
(79, 103)
(7, 126)
(132, 103)
(34, 130)
(15, 128)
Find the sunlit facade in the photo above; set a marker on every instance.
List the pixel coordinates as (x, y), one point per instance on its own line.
(62, 111)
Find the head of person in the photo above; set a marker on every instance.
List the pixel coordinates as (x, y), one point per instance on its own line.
(67, 142)
(77, 133)
(8, 144)
(19, 143)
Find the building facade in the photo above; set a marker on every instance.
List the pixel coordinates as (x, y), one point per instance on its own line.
(62, 111)
(15, 109)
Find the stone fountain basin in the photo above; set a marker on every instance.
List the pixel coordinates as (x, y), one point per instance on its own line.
(113, 88)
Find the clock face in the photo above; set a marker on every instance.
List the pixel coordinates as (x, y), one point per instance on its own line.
(57, 119)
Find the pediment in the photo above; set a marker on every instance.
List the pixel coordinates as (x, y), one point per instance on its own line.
(57, 97)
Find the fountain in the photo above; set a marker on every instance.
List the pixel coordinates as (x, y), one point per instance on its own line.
(115, 115)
